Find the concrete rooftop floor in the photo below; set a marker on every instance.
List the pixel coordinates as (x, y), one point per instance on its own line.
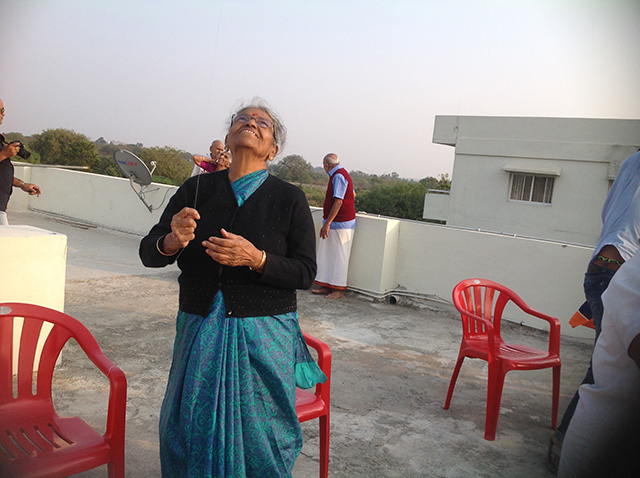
(391, 370)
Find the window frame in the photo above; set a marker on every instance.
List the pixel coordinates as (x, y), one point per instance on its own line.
(530, 182)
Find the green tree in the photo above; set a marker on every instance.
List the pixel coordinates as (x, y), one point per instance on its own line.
(106, 164)
(293, 168)
(26, 141)
(441, 184)
(361, 180)
(173, 166)
(319, 176)
(400, 199)
(108, 149)
(65, 147)
(314, 194)
(444, 183)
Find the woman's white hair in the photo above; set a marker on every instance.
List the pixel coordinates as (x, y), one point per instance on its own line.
(279, 130)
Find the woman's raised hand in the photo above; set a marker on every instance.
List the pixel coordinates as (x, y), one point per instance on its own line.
(183, 226)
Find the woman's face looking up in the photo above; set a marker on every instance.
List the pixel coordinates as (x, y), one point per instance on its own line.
(252, 128)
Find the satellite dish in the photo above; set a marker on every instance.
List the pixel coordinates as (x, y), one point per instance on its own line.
(132, 167)
(136, 171)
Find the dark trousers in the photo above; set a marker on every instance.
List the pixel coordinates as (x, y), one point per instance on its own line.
(596, 281)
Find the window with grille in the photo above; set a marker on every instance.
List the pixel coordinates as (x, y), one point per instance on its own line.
(531, 188)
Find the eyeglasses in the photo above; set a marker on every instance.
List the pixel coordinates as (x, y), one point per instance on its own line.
(261, 121)
(1, 111)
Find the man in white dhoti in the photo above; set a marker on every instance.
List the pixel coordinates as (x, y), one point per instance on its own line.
(336, 234)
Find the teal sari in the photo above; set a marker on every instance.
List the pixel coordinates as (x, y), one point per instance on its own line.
(229, 407)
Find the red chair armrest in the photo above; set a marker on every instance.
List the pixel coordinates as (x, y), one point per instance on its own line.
(324, 352)
(554, 326)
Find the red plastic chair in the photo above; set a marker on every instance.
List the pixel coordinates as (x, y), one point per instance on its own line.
(481, 304)
(35, 441)
(316, 405)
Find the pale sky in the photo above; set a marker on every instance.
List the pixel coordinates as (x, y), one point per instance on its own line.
(363, 79)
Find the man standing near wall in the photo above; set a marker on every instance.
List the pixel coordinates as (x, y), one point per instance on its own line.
(336, 234)
(7, 179)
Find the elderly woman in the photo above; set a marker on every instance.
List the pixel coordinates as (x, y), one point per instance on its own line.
(244, 242)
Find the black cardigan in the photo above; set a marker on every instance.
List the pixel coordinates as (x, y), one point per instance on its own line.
(275, 218)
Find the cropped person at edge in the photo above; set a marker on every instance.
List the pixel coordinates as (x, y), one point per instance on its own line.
(7, 179)
(619, 242)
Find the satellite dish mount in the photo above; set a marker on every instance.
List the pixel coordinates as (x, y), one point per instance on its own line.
(137, 172)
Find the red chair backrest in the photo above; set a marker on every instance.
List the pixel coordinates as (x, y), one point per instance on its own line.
(29, 347)
(481, 303)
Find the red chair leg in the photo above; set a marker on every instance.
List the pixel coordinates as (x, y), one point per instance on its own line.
(452, 383)
(116, 466)
(555, 397)
(116, 469)
(494, 396)
(324, 446)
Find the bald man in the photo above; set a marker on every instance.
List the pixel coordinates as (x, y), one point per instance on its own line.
(218, 161)
(336, 234)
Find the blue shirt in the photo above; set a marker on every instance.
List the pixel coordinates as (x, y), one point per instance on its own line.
(339, 190)
(621, 211)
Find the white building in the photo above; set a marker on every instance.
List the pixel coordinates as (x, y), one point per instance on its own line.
(537, 177)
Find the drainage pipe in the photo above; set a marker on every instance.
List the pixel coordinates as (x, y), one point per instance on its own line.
(393, 296)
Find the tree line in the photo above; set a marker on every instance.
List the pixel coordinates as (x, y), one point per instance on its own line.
(387, 194)
(63, 147)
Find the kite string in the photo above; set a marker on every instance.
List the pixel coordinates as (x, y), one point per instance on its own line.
(195, 202)
(213, 58)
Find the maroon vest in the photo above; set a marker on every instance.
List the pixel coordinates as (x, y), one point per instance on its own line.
(347, 211)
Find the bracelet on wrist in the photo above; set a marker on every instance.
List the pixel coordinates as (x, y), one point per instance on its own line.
(161, 238)
(262, 261)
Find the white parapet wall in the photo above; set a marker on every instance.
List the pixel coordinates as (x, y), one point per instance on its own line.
(94, 198)
(393, 257)
(547, 275)
(388, 254)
